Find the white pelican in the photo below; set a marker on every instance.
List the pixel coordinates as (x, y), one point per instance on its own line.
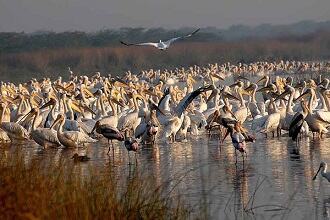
(161, 45)
(14, 130)
(45, 137)
(318, 121)
(70, 139)
(172, 123)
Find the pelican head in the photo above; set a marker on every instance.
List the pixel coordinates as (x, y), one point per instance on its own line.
(323, 166)
(51, 102)
(60, 118)
(305, 94)
(262, 79)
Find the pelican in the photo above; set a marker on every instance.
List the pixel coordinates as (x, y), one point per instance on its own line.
(14, 130)
(320, 120)
(172, 123)
(70, 139)
(45, 137)
(323, 168)
(161, 45)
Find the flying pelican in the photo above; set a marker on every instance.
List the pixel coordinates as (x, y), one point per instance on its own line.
(323, 168)
(162, 45)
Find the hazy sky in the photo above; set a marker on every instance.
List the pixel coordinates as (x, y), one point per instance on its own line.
(91, 15)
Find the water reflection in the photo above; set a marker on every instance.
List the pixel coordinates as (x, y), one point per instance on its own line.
(204, 172)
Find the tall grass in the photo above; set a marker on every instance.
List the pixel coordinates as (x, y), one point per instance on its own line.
(117, 59)
(39, 190)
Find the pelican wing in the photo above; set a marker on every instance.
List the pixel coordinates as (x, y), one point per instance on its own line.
(168, 42)
(295, 125)
(323, 116)
(140, 44)
(188, 99)
(140, 129)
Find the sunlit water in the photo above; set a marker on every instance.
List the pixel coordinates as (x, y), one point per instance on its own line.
(207, 175)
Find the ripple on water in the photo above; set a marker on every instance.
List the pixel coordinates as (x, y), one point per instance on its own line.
(204, 173)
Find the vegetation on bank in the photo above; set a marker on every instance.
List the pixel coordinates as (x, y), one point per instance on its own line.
(23, 55)
(39, 190)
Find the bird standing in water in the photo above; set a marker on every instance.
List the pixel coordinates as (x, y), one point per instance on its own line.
(131, 144)
(323, 168)
(239, 137)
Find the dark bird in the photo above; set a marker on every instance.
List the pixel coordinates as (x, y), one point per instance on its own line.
(161, 45)
(297, 122)
(131, 144)
(80, 158)
(109, 132)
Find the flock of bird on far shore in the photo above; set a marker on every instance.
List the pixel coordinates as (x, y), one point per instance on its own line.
(168, 105)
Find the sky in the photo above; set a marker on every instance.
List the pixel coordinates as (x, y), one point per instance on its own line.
(93, 15)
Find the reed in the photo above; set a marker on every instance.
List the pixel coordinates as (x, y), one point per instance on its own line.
(39, 190)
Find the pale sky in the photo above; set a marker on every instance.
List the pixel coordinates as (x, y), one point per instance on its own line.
(92, 15)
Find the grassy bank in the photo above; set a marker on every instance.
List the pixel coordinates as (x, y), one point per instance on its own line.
(117, 59)
(39, 190)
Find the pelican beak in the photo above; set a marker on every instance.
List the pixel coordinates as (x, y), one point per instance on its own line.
(232, 113)
(28, 116)
(249, 88)
(242, 77)
(281, 96)
(261, 79)
(87, 92)
(233, 85)
(302, 96)
(264, 89)
(244, 92)
(146, 91)
(217, 76)
(138, 96)
(317, 172)
(55, 122)
(117, 102)
(87, 109)
(229, 96)
(76, 107)
(51, 102)
(120, 84)
(60, 87)
(211, 96)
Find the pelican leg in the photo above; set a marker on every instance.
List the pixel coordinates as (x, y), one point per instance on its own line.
(111, 146)
(129, 158)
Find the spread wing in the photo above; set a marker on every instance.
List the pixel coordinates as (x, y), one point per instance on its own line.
(178, 38)
(140, 44)
(183, 104)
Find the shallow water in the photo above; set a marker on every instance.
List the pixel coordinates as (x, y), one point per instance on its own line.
(207, 176)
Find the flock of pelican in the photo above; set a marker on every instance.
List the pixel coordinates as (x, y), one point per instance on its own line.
(167, 105)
